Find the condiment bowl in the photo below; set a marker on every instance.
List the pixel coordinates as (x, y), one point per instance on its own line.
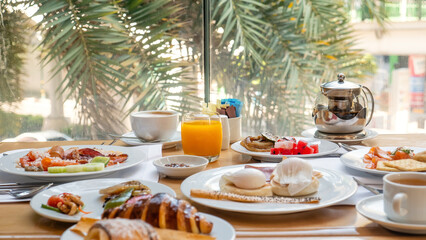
(195, 164)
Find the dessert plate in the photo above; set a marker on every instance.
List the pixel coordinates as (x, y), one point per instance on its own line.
(334, 187)
(372, 208)
(9, 162)
(344, 138)
(131, 139)
(324, 148)
(221, 230)
(88, 190)
(353, 159)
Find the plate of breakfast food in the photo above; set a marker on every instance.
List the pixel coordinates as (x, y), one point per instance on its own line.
(69, 163)
(383, 160)
(107, 207)
(70, 201)
(271, 148)
(290, 186)
(128, 228)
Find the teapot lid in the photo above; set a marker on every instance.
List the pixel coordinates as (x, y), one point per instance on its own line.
(343, 87)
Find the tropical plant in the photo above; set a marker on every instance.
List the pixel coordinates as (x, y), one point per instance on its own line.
(120, 55)
(274, 55)
(13, 25)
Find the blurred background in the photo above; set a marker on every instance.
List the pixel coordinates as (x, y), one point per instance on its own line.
(75, 71)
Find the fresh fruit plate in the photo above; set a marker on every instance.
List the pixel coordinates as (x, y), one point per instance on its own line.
(324, 148)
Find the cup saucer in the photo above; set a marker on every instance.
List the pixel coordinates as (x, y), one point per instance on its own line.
(372, 208)
(130, 139)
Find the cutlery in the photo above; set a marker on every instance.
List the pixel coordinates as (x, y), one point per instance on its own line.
(27, 193)
(369, 188)
(347, 147)
(23, 184)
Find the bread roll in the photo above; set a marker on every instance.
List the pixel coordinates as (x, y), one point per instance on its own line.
(282, 190)
(121, 229)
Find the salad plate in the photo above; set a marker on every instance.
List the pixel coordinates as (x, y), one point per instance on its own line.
(334, 187)
(88, 190)
(372, 208)
(324, 148)
(353, 159)
(9, 164)
(131, 139)
(221, 230)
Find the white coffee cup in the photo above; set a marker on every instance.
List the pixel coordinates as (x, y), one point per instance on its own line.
(404, 197)
(154, 124)
(234, 129)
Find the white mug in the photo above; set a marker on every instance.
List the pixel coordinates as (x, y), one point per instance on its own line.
(404, 197)
(154, 124)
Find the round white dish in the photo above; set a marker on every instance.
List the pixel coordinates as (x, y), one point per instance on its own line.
(89, 192)
(372, 208)
(369, 134)
(324, 148)
(195, 163)
(222, 230)
(132, 140)
(9, 164)
(353, 159)
(334, 187)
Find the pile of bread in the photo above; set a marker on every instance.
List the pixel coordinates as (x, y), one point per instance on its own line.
(290, 178)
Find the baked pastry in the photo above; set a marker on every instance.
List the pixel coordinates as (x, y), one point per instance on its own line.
(121, 229)
(257, 144)
(421, 156)
(294, 177)
(247, 181)
(163, 211)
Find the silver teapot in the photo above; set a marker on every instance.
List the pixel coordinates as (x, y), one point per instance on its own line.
(340, 108)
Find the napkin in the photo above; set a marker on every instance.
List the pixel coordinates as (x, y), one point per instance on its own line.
(145, 170)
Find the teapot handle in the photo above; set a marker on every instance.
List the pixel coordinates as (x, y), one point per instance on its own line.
(372, 103)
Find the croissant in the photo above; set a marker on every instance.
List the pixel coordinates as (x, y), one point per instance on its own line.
(163, 211)
(121, 229)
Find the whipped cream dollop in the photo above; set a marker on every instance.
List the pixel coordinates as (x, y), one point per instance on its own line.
(294, 172)
(247, 178)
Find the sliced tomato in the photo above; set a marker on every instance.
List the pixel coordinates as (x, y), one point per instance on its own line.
(54, 200)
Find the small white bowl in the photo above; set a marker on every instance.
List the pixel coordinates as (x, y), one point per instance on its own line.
(195, 163)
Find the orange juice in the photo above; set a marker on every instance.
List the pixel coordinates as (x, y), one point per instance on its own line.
(202, 137)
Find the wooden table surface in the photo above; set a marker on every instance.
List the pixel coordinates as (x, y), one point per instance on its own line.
(19, 221)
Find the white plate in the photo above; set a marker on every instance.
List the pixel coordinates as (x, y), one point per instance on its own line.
(334, 187)
(353, 159)
(166, 144)
(135, 156)
(222, 230)
(89, 192)
(369, 134)
(372, 208)
(324, 148)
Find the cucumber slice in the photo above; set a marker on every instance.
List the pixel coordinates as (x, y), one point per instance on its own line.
(56, 169)
(93, 167)
(104, 160)
(74, 168)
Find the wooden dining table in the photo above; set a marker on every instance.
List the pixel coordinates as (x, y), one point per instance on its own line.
(19, 221)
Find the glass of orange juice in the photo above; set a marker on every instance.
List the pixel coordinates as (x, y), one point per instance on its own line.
(202, 135)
